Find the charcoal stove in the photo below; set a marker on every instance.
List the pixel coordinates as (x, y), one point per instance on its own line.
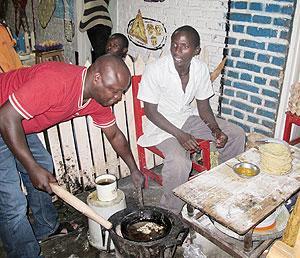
(162, 245)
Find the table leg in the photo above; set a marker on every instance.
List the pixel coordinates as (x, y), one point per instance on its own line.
(248, 243)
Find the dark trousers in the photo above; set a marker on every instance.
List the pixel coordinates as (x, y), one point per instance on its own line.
(98, 36)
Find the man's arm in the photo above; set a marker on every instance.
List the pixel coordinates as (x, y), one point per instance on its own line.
(13, 134)
(208, 117)
(121, 146)
(186, 140)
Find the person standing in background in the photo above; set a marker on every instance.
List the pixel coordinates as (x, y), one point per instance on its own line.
(9, 59)
(97, 23)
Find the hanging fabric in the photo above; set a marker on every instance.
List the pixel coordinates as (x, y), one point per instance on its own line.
(46, 9)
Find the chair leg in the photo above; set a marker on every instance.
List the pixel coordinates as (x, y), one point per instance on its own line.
(287, 128)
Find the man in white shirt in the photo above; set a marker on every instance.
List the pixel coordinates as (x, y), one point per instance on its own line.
(167, 89)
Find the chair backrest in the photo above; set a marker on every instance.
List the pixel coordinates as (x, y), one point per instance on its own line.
(137, 105)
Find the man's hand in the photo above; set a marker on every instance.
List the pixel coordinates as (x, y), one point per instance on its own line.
(41, 178)
(187, 141)
(137, 178)
(220, 137)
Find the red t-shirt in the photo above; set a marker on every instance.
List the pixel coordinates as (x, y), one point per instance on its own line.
(50, 93)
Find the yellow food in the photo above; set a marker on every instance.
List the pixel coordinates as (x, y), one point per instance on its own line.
(275, 158)
(245, 171)
(138, 28)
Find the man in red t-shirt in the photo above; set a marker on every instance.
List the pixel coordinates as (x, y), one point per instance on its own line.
(32, 100)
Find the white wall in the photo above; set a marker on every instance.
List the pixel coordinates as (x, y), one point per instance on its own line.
(207, 17)
(292, 74)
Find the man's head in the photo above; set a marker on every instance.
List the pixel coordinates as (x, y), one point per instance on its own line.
(117, 44)
(106, 80)
(185, 44)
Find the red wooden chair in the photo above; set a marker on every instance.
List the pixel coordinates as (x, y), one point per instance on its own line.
(138, 114)
(290, 119)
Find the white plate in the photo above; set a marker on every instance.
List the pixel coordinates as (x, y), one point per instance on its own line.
(281, 221)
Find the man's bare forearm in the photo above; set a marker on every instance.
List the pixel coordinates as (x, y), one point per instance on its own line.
(120, 145)
(207, 115)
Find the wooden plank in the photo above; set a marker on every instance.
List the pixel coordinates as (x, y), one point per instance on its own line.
(84, 152)
(119, 110)
(57, 156)
(112, 160)
(130, 64)
(42, 138)
(131, 123)
(139, 65)
(72, 175)
(97, 148)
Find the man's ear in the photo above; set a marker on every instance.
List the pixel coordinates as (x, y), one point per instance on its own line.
(97, 76)
(197, 51)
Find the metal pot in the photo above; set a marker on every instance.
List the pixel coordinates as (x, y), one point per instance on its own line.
(164, 244)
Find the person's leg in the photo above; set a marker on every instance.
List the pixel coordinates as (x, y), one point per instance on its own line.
(44, 213)
(236, 135)
(15, 230)
(175, 171)
(98, 36)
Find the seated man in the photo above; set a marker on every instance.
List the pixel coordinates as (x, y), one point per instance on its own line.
(167, 89)
(117, 45)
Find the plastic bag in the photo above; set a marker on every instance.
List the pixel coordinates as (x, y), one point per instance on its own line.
(193, 251)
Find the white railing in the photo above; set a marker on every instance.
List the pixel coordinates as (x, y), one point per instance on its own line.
(81, 152)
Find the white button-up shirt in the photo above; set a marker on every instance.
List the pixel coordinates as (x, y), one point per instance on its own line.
(161, 85)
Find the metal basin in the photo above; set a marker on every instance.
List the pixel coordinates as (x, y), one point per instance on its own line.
(246, 169)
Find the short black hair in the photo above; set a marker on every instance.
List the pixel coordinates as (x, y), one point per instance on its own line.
(121, 36)
(194, 34)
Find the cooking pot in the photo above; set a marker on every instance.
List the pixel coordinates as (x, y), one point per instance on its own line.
(144, 232)
(162, 242)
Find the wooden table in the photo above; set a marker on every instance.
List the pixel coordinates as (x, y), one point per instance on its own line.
(236, 203)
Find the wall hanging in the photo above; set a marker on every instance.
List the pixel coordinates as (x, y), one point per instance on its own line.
(146, 32)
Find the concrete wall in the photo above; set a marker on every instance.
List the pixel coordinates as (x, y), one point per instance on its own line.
(207, 17)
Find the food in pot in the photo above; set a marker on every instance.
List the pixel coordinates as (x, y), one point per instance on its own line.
(149, 227)
(145, 231)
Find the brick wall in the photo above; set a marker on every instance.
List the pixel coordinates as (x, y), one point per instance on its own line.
(258, 44)
(208, 17)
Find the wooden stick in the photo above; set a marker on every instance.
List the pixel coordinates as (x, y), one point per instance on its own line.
(79, 205)
(214, 75)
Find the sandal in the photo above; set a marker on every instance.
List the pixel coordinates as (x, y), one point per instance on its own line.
(64, 229)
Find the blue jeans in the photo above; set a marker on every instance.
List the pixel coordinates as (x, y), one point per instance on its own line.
(20, 236)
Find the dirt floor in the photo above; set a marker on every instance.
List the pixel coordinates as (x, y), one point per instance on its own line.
(76, 245)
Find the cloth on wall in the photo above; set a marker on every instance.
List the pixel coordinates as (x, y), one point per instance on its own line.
(69, 28)
(9, 59)
(46, 9)
(20, 16)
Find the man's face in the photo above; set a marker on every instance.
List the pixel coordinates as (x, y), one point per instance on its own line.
(114, 46)
(182, 48)
(109, 91)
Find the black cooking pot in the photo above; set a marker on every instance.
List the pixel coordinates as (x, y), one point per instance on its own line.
(167, 233)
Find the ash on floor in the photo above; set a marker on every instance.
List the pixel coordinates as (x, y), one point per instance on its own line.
(76, 245)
